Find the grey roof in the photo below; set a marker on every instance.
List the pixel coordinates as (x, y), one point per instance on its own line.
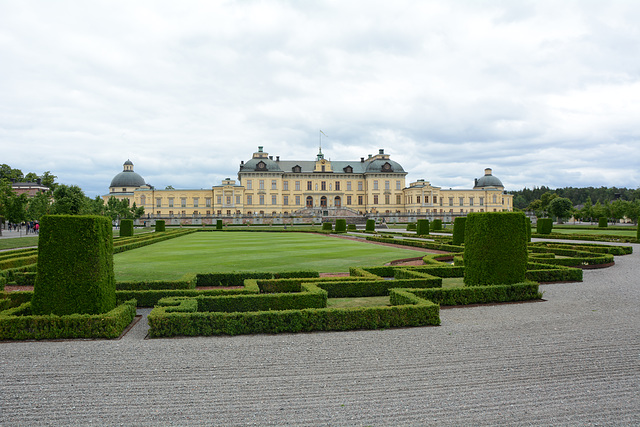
(127, 179)
(308, 166)
(488, 181)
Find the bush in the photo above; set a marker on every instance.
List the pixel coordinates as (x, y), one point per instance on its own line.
(371, 225)
(436, 225)
(603, 222)
(523, 291)
(160, 225)
(544, 226)
(19, 323)
(341, 225)
(75, 266)
(126, 228)
(528, 225)
(458, 230)
(411, 226)
(495, 248)
(327, 226)
(218, 224)
(422, 227)
(351, 227)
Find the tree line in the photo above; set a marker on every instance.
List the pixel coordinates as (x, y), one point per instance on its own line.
(586, 204)
(58, 199)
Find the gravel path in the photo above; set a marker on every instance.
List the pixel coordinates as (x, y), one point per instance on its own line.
(571, 360)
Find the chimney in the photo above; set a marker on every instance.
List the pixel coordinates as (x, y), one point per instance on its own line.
(277, 158)
(241, 163)
(361, 159)
(39, 181)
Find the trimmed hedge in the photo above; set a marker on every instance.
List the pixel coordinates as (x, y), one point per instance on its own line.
(436, 225)
(126, 228)
(19, 323)
(351, 227)
(160, 226)
(188, 281)
(458, 230)
(495, 248)
(238, 278)
(523, 291)
(412, 226)
(218, 224)
(541, 272)
(371, 225)
(414, 311)
(544, 225)
(327, 226)
(422, 227)
(75, 266)
(603, 222)
(341, 225)
(418, 244)
(528, 229)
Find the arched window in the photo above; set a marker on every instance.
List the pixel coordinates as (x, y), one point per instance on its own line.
(323, 201)
(309, 202)
(337, 202)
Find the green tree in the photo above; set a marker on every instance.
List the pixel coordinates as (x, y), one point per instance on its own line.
(618, 209)
(48, 180)
(68, 200)
(30, 177)
(8, 173)
(561, 208)
(598, 210)
(38, 206)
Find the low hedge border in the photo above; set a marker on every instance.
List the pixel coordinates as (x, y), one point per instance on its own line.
(188, 281)
(587, 247)
(18, 323)
(237, 278)
(149, 298)
(414, 312)
(541, 272)
(418, 244)
(523, 291)
(592, 237)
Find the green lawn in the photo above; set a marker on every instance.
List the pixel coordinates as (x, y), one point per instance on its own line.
(603, 231)
(250, 251)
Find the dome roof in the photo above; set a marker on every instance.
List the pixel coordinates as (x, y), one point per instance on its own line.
(260, 164)
(127, 178)
(488, 180)
(384, 165)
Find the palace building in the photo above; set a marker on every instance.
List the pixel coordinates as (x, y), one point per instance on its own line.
(267, 187)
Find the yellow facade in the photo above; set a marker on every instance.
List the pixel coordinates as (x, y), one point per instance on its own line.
(269, 187)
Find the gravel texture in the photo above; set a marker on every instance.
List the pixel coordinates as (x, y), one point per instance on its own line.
(573, 359)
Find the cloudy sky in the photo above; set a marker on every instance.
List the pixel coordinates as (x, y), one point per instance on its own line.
(543, 92)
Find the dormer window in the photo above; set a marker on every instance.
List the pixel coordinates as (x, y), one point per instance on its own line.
(296, 169)
(348, 169)
(387, 167)
(261, 166)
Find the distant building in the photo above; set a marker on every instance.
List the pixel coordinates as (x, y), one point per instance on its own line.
(29, 188)
(320, 187)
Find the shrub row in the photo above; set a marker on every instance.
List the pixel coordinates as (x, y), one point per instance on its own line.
(188, 281)
(422, 227)
(149, 298)
(588, 247)
(416, 312)
(418, 244)
(592, 237)
(19, 324)
(238, 278)
(126, 228)
(480, 294)
(540, 272)
(544, 225)
(18, 261)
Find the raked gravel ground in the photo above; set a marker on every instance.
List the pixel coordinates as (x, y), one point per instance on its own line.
(573, 359)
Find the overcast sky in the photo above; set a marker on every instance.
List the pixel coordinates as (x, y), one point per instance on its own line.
(544, 92)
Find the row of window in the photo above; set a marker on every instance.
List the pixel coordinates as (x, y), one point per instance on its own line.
(409, 200)
(323, 185)
(309, 202)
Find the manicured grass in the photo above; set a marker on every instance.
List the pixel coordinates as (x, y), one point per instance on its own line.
(358, 302)
(453, 282)
(631, 232)
(18, 242)
(250, 251)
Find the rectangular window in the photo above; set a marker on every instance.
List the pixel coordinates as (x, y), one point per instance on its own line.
(386, 199)
(158, 202)
(375, 199)
(274, 184)
(249, 186)
(418, 199)
(387, 185)
(285, 185)
(461, 201)
(262, 199)
(297, 200)
(237, 200)
(195, 202)
(309, 185)
(219, 200)
(398, 199)
(274, 199)
(481, 203)
(360, 200)
(375, 185)
(249, 199)
(323, 185)
(207, 202)
(183, 202)
(398, 186)
(228, 200)
(348, 200)
(337, 185)
(426, 199)
(495, 199)
(297, 185)
(228, 212)
(285, 200)
(261, 184)
(450, 201)
(170, 202)
(471, 202)
(359, 185)
(348, 185)
(435, 199)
